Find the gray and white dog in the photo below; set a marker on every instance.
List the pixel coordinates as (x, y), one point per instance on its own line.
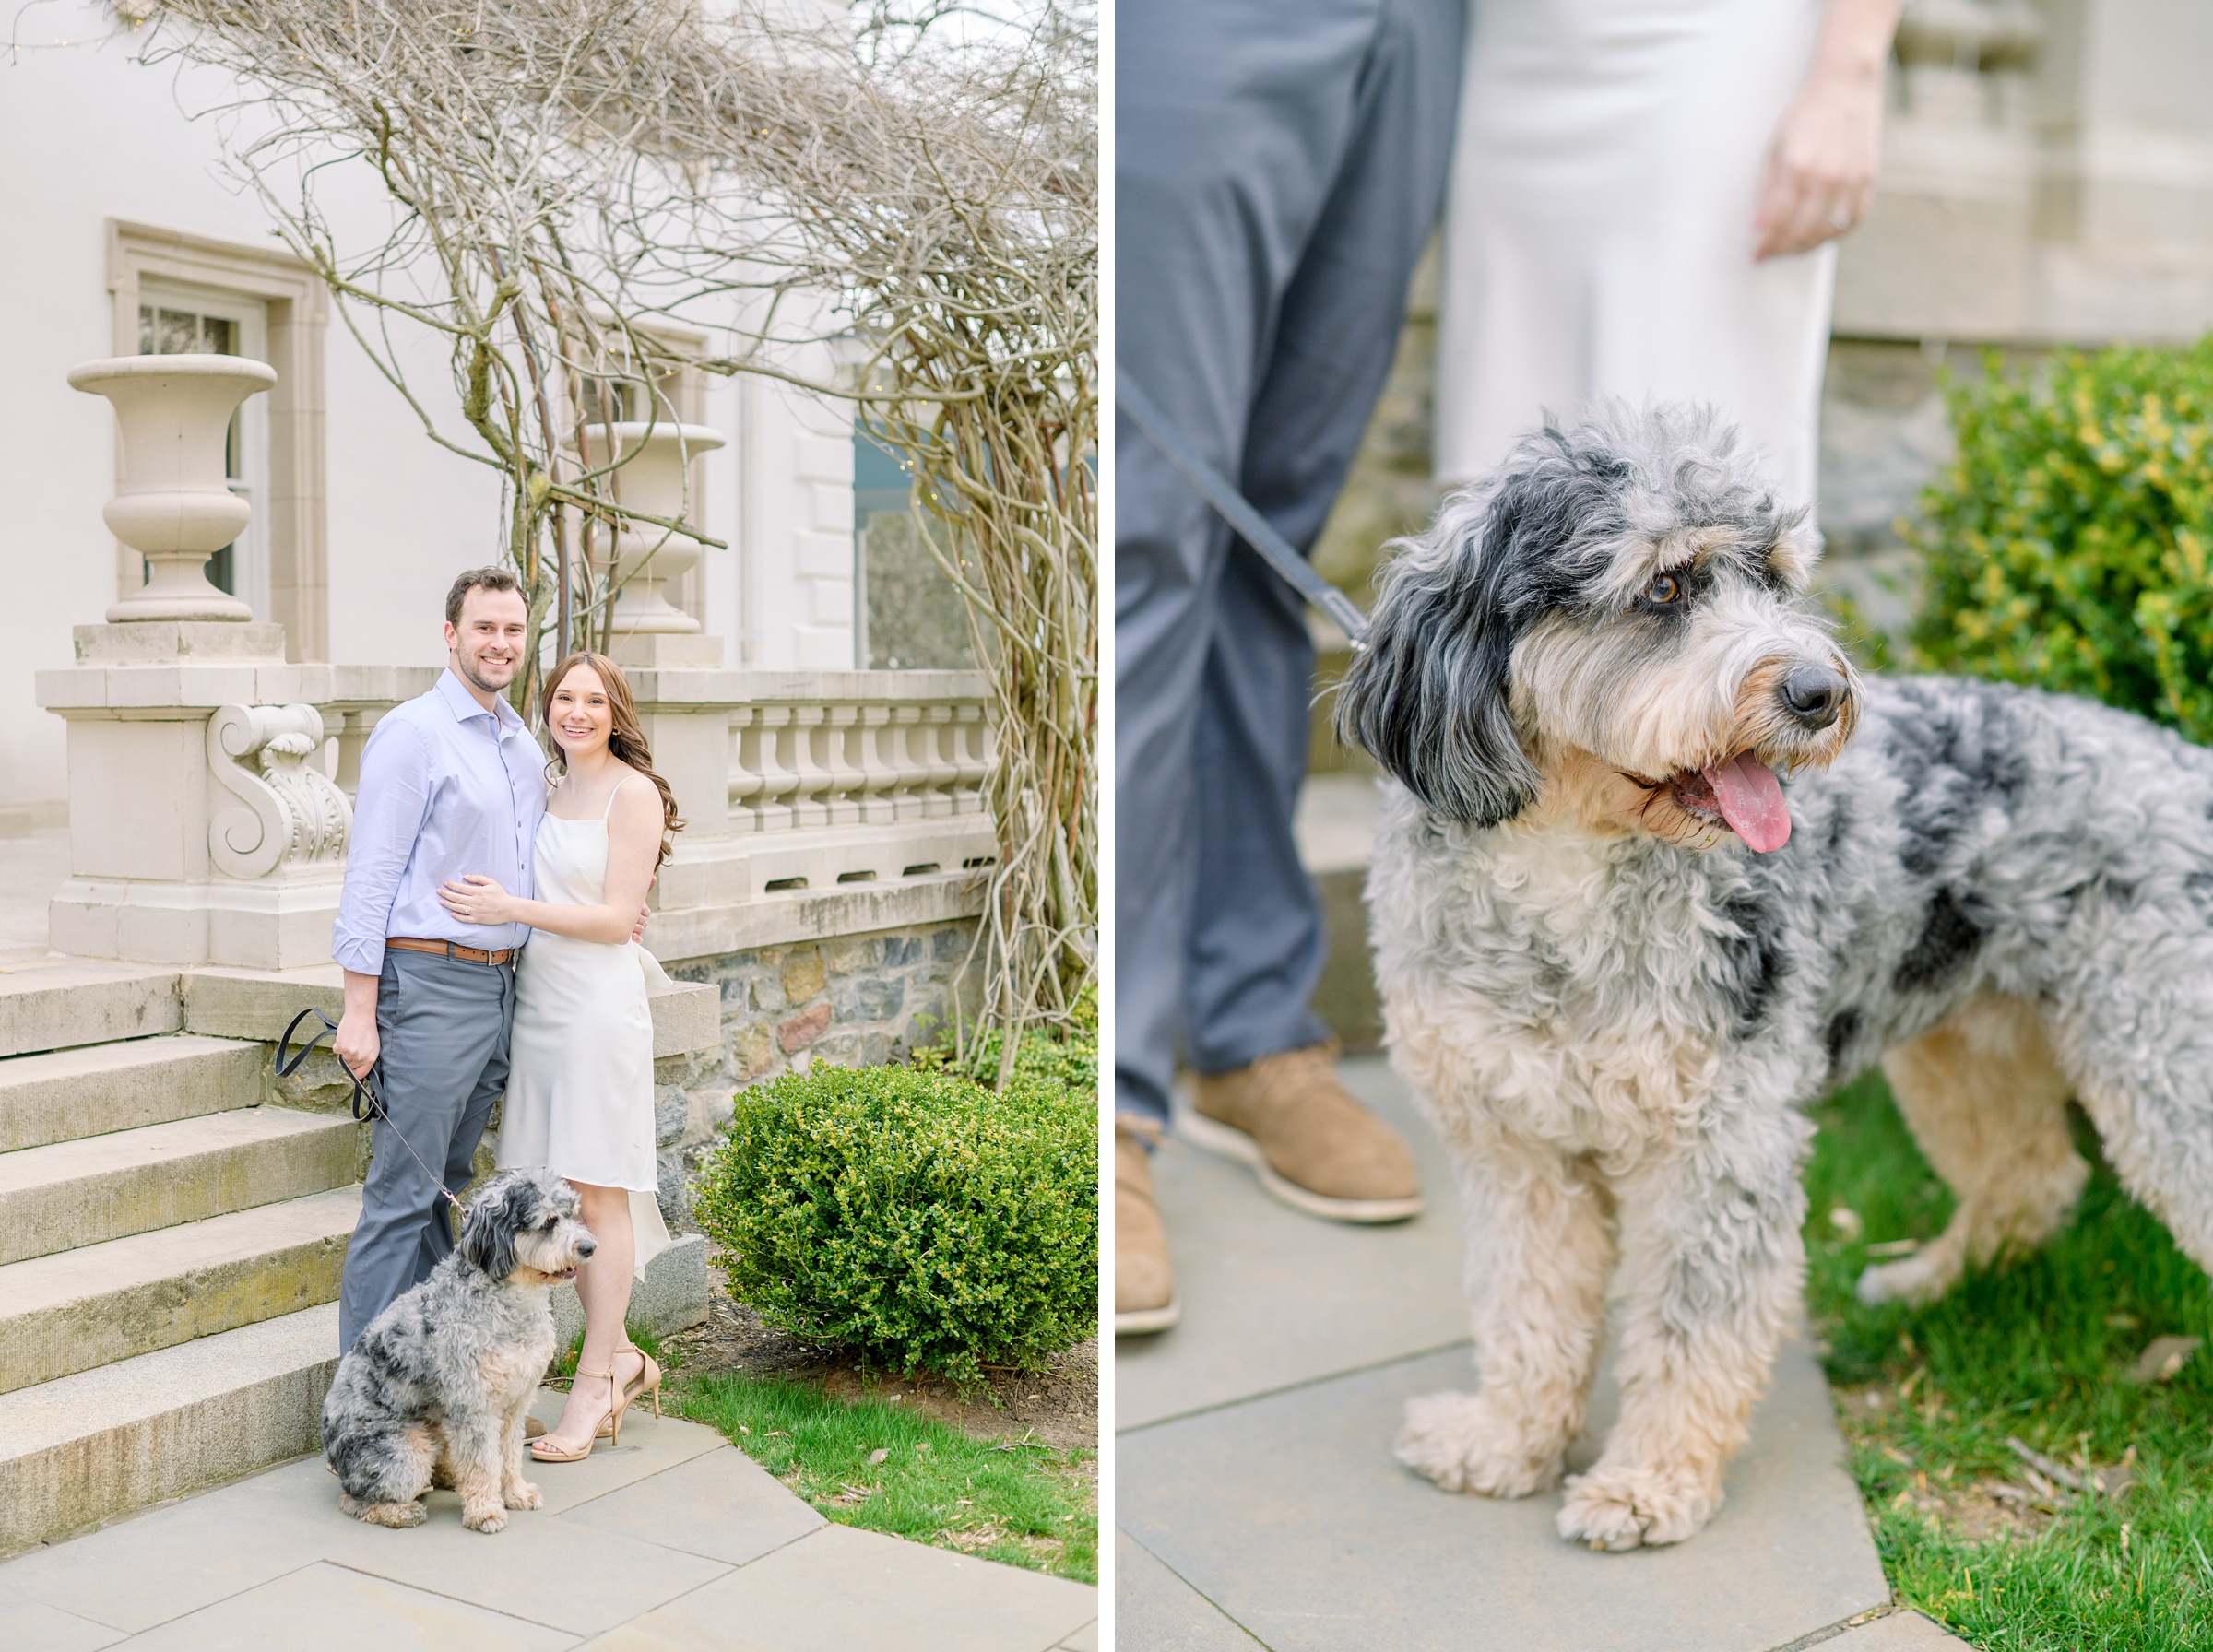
(434, 1389)
(1659, 869)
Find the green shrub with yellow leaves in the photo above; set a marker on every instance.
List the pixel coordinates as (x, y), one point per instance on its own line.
(2070, 543)
(914, 1216)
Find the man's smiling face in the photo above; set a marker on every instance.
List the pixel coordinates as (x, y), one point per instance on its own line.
(487, 645)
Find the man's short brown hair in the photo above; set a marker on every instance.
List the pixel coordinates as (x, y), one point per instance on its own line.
(479, 579)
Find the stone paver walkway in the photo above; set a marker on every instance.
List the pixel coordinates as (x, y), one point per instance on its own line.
(674, 1542)
(1257, 1500)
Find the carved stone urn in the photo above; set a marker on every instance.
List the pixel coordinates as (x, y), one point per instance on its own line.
(651, 480)
(175, 507)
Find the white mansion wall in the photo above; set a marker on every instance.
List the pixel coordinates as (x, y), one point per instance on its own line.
(88, 134)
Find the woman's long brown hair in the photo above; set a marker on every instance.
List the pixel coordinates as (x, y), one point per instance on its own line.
(626, 741)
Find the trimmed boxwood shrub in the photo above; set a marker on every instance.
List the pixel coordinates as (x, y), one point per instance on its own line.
(914, 1216)
(2067, 545)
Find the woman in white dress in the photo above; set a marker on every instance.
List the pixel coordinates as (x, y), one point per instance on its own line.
(1642, 198)
(580, 1076)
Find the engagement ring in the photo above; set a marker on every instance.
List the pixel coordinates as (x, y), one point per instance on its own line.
(1843, 220)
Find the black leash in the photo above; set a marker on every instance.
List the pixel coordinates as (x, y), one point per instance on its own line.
(1237, 509)
(367, 1101)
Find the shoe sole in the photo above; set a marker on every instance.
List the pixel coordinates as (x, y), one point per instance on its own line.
(1137, 1322)
(1228, 1142)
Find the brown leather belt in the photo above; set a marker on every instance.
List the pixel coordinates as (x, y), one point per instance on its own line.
(450, 949)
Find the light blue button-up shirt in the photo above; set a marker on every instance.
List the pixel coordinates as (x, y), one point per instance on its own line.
(447, 788)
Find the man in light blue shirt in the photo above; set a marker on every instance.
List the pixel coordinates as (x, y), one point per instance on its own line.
(452, 783)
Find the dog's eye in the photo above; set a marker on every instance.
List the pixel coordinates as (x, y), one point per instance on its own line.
(549, 1223)
(1665, 588)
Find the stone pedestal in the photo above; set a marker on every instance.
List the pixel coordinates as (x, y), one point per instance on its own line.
(203, 828)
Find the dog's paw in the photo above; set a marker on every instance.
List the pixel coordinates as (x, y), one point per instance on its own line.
(523, 1494)
(1917, 1279)
(396, 1515)
(485, 1520)
(1620, 1508)
(1465, 1444)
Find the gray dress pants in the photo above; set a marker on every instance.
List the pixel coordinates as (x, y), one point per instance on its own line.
(1279, 165)
(442, 1024)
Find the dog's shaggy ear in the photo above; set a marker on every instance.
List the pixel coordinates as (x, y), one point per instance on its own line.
(1429, 698)
(494, 1216)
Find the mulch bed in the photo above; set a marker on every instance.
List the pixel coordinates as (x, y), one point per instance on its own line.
(1057, 1406)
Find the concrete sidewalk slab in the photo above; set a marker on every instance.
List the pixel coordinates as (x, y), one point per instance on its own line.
(1290, 1514)
(722, 1507)
(841, 1588)
(674, 1541)
(1272, 1297)
(566, 1577)
(1255, 1474)
(331, 1609)
(175, 1560)
(1900, 1632)
(28, 1623)
(1157, 1610)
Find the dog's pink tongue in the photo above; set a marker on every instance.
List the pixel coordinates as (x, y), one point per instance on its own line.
(1751, 801)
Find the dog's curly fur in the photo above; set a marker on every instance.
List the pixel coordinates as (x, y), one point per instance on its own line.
(434, 1389)
(1615, 1013)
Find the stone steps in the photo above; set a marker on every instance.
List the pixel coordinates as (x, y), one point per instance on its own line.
(78, 1193)
(172, 1229)
(49, 1004)
(74, 1310)
(84, 1448)
(62, 1096)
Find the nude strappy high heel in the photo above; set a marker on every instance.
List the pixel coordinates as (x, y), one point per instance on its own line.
(647, 1381)
(545, 1451)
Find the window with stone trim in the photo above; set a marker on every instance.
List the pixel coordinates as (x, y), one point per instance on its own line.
(168, 284)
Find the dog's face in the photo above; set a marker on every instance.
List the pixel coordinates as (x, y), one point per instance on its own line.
(522, 1227)
(1608, 628)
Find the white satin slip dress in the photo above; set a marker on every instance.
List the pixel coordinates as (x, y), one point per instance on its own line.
(580, 1060)
(1598, 228)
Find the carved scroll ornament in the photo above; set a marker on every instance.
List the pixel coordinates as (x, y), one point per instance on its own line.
(289, 813)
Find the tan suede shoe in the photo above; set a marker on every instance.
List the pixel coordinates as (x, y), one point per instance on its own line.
(1144, 1286)
(1290, 1117)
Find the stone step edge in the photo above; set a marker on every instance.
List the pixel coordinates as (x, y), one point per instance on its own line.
(77, 1310)
(69, 1003)
(85, 1448)
(133, 1082)
(69, 1172)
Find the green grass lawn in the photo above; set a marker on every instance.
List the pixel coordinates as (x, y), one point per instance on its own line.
(866, 1463)
(2039, 1351)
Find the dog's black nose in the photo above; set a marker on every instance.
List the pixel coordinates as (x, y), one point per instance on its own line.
(586, 1246)
(1813, 694)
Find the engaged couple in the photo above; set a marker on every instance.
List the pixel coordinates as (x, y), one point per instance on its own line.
(467, 844)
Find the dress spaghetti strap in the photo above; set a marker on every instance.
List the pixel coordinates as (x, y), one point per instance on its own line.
(612, 795)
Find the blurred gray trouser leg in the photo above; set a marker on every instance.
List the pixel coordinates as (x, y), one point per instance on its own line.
(444, 1026)
(1280, 164)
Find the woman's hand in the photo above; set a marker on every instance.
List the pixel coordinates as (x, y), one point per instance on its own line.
(477, 900)
(1821, 167)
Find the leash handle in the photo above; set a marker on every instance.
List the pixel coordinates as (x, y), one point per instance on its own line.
(367, 1101)
(1234, 508)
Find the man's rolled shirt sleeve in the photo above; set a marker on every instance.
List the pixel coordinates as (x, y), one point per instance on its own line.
(390, 806)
